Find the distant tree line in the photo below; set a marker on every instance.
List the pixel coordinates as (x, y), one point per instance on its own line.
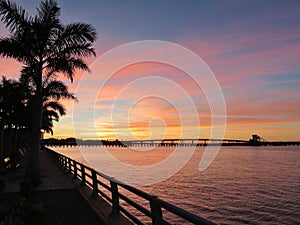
(74, 142)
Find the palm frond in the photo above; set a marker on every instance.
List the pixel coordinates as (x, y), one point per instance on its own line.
(57, 90)
(13, 48)
(79, 50)
(46, 24)
(78, 63)
(51, 114)
(78, 33)
(48, 128)
(48, 13)
(67, 65)
(47, 125)
(14, 17)
(56, 106)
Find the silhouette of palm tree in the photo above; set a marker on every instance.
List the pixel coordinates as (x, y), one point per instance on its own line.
(53, 91)
(45, 47)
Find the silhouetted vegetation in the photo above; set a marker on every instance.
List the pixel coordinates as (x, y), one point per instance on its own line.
(46, 48)
(74, 142)
(16, 109)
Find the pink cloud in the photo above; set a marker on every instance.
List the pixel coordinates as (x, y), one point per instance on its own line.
(236, 56)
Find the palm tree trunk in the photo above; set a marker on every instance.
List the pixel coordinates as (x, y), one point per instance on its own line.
(33, 166)
(1, 141)
(32, 172)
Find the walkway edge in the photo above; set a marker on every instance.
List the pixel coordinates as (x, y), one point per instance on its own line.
(99, 205)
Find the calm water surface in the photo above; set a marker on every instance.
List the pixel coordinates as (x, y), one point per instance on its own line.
(244, 185)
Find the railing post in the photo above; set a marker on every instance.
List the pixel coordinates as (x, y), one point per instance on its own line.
(61, 161)
(156, 212)
(69, 165)
(75, 170)
(65, 163)
(82, 175)
(115, 199)
(95, 184)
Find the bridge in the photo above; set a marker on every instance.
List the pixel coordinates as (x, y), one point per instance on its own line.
(254, 141)
(184, 142)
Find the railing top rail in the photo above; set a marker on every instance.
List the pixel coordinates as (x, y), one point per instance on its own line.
(137, 191)
(109, 178)
(183, 213)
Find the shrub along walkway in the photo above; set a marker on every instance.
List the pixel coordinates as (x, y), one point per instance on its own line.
(55, 201)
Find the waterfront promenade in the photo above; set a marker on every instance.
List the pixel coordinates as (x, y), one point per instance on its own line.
(52, 177)
(54, 184)
(78, 189)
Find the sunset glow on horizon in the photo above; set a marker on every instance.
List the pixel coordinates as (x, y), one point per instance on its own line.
(252, 47)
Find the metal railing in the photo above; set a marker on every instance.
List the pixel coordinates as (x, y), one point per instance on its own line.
(108, 188)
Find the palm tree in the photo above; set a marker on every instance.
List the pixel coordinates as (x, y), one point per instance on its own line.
(46, 48)
(53, 91)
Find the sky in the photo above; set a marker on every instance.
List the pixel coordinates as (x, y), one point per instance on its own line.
(252, 48)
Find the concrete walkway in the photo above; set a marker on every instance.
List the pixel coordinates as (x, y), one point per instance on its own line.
(52, 178)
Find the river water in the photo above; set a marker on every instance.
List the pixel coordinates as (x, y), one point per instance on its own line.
(243, 185)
